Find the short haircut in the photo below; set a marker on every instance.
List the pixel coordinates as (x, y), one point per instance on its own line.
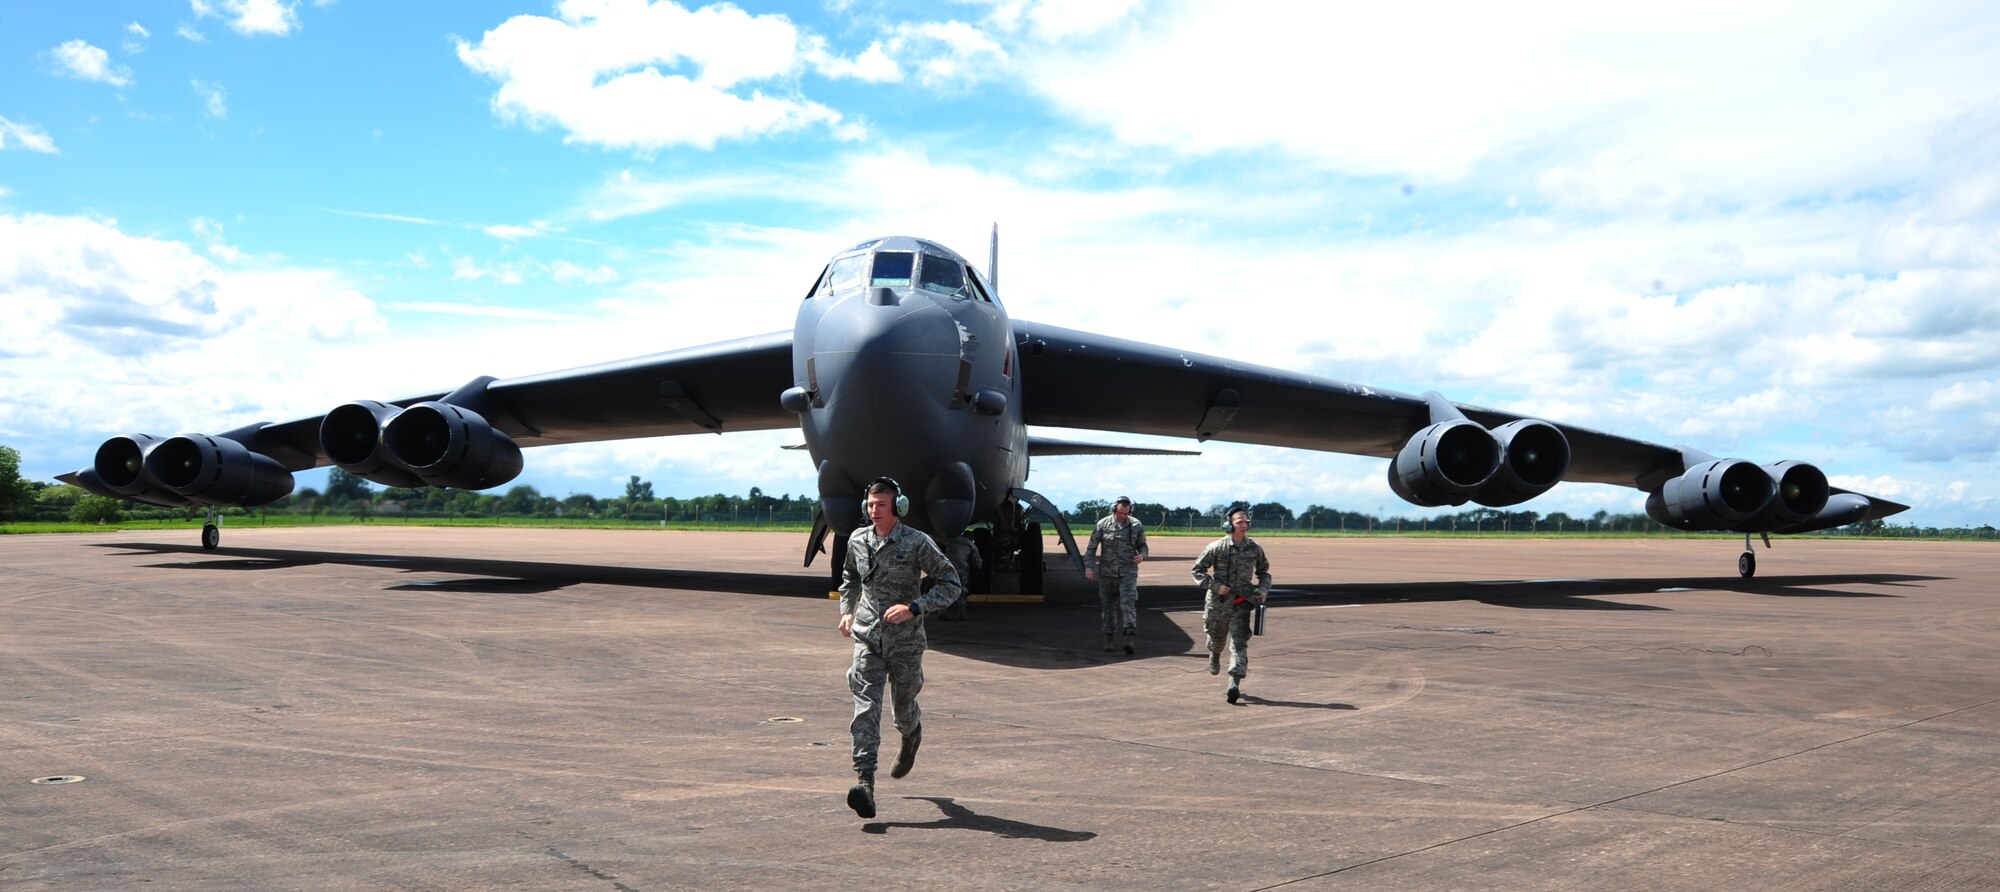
(883, 486)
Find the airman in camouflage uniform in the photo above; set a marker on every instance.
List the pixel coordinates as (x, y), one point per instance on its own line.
(882, 608)
(964, 556)
(1237, 577)
(1117, 547)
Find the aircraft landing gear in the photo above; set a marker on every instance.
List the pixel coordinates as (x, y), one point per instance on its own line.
(1746, 565)
(211, 530)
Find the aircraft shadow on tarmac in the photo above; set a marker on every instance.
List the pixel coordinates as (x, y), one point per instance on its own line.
(1061, 634)
(494, 576)
(958, 817)
(1584, 594)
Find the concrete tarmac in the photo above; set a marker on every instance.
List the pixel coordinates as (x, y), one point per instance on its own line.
(361, 707)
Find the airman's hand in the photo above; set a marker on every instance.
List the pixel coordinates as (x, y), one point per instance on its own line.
(898, 614)
(847, 625)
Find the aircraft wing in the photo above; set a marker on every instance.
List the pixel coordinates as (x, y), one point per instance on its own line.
(726, 386)
(1081, 380)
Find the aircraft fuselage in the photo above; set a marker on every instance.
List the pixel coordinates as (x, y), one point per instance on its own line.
(905, 369)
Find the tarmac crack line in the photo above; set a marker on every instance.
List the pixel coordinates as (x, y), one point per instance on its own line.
(1614, 802)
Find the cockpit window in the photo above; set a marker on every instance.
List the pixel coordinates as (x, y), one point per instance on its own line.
(893, 269)
(979, 286)
(942, 276)
(847, 273)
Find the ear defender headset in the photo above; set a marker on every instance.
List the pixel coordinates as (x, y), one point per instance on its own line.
(1229, 518)
(902, 501)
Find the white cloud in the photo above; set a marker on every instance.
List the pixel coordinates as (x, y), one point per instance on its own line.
(135, 38)
(1058, 20)
(113, 332)
(565, 271)
(945, 54)
(482, 311)
(872, 66)
(631, 74)
(187, 32)
(85, 62)
(210, 232)
(1699, 102)
(249, 17)
(25, 136)
(215, 101)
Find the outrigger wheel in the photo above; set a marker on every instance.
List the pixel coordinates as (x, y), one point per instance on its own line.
(1746, 566)
(211, 536)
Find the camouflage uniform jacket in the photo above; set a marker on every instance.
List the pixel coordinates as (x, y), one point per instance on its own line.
(883, 571)
(964, 556)
(1243, 568)
(1119, 543)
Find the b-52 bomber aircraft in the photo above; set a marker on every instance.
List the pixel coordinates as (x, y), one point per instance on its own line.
(903, 364)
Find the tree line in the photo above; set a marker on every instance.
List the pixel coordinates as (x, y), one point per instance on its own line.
(349, 496)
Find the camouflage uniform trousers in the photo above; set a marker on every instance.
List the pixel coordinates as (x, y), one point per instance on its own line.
(897, 662)
(1231, 620)
(1118, 603)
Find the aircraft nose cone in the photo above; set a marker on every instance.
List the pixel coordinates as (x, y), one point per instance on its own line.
(905, 351)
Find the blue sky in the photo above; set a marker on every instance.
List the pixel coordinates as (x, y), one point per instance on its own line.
(1769, 231)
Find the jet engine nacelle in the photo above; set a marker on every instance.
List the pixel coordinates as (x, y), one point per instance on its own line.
(1444, 464)
(351, 435)
(1713, 495)
(1802, 493)
(119, 471)
(213, 470)
(1534, 457)
(452, 446)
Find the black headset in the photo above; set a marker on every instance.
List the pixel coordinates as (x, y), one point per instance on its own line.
(902, 501)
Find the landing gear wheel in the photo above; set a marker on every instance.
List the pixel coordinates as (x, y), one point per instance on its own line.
(211, 536)
(1746, 566)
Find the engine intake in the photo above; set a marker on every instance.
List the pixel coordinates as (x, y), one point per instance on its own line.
(452, 446)
(1535, 455)
(1713, 495)
(1445, 463)
(217, 471)
(1802, 492)
(351, 435)
(119, 471)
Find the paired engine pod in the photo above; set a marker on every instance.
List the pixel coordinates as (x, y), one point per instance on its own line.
(452, 446)
(1445, 463)
(217, 471)
(1801, 492)
(119, 471)
(1535, 455)
(351, 435)
(1713, 495)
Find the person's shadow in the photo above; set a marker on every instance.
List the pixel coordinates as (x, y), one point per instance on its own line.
(1254, 700)
(958, 817)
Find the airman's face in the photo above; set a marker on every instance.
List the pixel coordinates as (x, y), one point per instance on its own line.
(1122, 510)
(1239, 522)
(881, 507)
